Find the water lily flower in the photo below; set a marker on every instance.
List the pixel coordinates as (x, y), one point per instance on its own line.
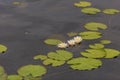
(71, 42)
(62, 45)
(78, 39)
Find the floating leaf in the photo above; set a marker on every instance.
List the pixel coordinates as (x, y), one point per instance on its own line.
(111, 11)
(95, 26)
(54, 63)
(14, 77)
(71, 34)
(94, 53)
(60, 55)
(52, 41)
(34, 70)
(90, 10)
(82, 4)
(41, 57)
(89, 35)
(96, 46)
(111, 53)
(3, 75)
(3, 48)
(82, 63)
(105, 41)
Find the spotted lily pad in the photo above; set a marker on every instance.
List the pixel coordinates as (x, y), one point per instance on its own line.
(82, 4)
(96, 46)
(111, 11)
(90, 10)
(105, 41)
(94, 53)
(34, 70)
(82, 63)
(90, 35)
(14, 77)
(95, 26)
(3, 75)
(52, 41)
(40, 57)
(111, 53)
(3, 48)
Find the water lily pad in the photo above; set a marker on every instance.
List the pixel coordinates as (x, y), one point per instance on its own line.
(111, 11)
(105, 41)
(82, 4)
(71, 34)
(3, 75)
(96, 46)
(90, 10)
(34, 70)
(82, 63)
(111, 53)
(94, 53)
(52, 41)
(53, 62)
(40, 57)
(3, 48)
(14, 77)
(95, 26)
(90, 35)
(60, 55)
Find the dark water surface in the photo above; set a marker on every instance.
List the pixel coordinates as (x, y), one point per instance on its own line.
(24, 28)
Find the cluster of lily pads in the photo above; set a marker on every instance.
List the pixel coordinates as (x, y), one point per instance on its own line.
(87, 60)
(87, 9)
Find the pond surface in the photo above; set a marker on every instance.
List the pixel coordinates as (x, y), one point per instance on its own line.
(23, 28)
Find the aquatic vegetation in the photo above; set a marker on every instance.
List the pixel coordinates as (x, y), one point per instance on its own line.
(105, 41)
(14, 77)
(95, 26)
(111, 11)
(71, 34)
(90, 35)
(90, 10)
(33, 70)
(96, 46)
(71, 42)
(62, 45)
(111, 53)
(3, 48)
(94, 53)
(83, 4)
(3, 75)
(82, 63)
(52, 41)
(40, 57)
(78, 39)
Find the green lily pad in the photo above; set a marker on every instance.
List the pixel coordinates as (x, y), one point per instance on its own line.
(96, 46)
(111, 11)
(94, 53)
(14, 77)
(111, 53)
(61, 55)
(90, 10)
(52, 41)
(3, 48)
(82, 63)
(34, 70)
(71, 34)
(105, 41)
(3, 75)
(95, 26)
(53, 62)
(90, 35)
(40, 57)
(82, 4)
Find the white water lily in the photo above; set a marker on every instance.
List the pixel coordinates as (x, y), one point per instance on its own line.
(62, 45)
(71, 42)
(78, 39)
